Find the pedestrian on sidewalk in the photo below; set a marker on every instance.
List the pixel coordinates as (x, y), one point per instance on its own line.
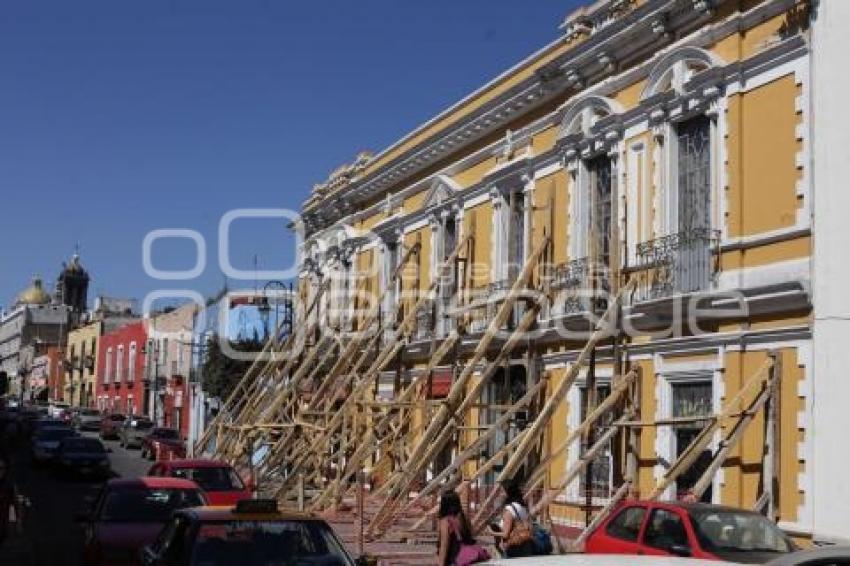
(515, 533)
(7, 497)
(457, 546)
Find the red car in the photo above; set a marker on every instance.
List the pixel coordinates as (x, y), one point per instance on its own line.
(163, 444)
(220, 482)
(696, 530)
(110, 424)
(129, 513)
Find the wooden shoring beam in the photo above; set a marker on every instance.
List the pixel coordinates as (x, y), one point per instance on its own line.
(475, 446)
(258, 395)
(608, 404)
(732, 439)
(241, 387)
(602, 329)
(343, 363)
(401, 483)
(405, 328)
(600, 442)
(687, 458)
(578, 544)
(366, 446)
(307, 365)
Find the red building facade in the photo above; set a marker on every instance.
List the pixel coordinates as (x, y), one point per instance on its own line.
(121, 370)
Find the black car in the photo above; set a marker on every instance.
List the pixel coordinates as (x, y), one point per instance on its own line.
(83, 456)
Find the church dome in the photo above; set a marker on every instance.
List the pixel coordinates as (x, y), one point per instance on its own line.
(34, 294)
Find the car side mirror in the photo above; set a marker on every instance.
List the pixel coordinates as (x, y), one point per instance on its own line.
(680, 550)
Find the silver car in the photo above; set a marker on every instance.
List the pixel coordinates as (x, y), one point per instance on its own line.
(87, 419)
(133, 430)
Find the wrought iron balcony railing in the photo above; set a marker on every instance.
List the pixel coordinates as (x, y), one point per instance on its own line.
(677, 264)
(579, 285)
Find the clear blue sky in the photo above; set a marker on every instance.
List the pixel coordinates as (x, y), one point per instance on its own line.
(120, 117)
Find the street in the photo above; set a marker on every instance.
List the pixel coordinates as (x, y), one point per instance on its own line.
(51, 533)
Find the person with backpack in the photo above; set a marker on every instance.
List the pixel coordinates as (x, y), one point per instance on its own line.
(457, 546)
(515, 533)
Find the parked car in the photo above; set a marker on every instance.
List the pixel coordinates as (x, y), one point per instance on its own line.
(820, 556)
(129, 513)
(83, 456)
(87, 419)
(220, 482)
(45, 442)
(603, 560)
(110, 424)
(56, 408)
(254, 532)
(133, 430)
(164, 443)
(697, 530)
(39, 424)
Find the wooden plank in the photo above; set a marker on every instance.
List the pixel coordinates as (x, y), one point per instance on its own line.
(695, 448)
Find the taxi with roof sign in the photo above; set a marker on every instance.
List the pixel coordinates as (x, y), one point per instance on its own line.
(253, 532)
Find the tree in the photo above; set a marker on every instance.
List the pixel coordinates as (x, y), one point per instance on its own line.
(221, 372)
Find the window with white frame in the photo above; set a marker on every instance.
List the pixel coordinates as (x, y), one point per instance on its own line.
(691, 399)
(131, 363)
(119, 364)
(107, 374)
(598, 476)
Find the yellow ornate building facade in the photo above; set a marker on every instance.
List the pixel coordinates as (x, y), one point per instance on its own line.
(658, 151)
(81, 364)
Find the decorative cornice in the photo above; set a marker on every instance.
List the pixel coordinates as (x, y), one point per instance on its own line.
(618, 33)
(654, 110)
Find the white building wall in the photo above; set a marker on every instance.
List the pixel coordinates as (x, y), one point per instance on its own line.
(830, 497)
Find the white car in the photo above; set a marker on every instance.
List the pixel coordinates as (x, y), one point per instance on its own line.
(603, 560)
(822, 556)
(55, 410)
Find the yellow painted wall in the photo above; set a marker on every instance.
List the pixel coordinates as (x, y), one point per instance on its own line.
(415, 275)
(551, 204)
(475, 173)
(762, 149)
(741, 472)
(545, 140)
(366, 284)
(414, 202)
(478, 222)
(79, 340)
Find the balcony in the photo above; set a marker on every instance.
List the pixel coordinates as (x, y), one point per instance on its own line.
(678, 264)
(579, 286)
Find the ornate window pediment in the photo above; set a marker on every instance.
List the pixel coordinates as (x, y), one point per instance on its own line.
(442, 190)
(581, 115)
(676, 68)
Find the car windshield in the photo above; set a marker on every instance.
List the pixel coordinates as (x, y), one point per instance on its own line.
(146, 505)
(90, 413)
(738, 531)
(141, 425)
(164, 433)
(83, 445)
(267, 543)
(116, 418)
(212, 479)
(54, 434)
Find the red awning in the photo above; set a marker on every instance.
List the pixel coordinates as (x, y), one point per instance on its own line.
(441, 384)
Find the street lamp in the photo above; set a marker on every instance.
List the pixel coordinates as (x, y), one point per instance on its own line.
(281, 288)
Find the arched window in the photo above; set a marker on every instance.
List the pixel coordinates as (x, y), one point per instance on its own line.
(594, 173)
(131, 363)
(676, 68)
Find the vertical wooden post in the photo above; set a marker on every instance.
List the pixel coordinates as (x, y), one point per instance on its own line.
(588, 439)
(300, 492)
(772, 462)
(360, 519)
